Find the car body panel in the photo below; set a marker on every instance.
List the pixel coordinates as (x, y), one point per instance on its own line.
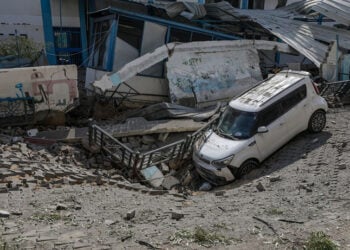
(291, 120)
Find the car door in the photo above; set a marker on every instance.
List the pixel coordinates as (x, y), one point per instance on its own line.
(276, 136)
(296, 109)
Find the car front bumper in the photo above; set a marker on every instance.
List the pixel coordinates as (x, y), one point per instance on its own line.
(211, 174)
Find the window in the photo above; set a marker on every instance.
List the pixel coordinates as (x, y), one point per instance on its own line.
(236, 124)
(279, 108)
(67, 45)
(293, 98)
(270, 114)
(101, 41)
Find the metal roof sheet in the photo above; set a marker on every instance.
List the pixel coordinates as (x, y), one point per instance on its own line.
(307, 38)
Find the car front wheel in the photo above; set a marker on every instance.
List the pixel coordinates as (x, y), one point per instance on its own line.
(317, 121)
(245, 168)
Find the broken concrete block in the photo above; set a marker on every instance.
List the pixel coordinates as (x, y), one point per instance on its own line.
(176, 215)
(39, 175)
(260, 187)
(110, 222)
(169, 182)
(165, 168)
(342, 166)
(4, 214)
(130, 214)
(153, 176)
(275, 178)
(61, 206)
(220, 193)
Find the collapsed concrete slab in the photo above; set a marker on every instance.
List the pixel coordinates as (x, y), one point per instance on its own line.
(166, 110)
(35, 93)
(200, 68)
(140, 126)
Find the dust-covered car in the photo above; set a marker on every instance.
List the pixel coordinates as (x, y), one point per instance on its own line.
(258, 123)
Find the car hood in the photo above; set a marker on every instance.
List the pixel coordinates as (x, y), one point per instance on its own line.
(216, 147)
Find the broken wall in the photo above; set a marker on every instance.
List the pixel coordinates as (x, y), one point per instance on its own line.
(48, 88)
(203, 78)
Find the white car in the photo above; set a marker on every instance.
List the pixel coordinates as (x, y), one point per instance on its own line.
(258, 123)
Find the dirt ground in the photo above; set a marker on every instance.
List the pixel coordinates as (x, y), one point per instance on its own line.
(304, 188)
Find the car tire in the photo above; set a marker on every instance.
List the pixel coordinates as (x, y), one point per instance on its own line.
(245, 168)
(317, 121)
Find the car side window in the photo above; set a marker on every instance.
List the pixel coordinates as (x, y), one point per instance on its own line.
(293, 98)
(270, 114)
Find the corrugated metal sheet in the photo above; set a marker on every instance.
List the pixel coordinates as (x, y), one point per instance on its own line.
(338, 10)
(308, 39)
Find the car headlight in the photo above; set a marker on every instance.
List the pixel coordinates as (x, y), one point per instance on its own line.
(221, 163)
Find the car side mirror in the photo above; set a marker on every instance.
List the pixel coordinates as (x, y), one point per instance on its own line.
(262, 129)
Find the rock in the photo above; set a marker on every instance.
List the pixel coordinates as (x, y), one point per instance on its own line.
(342, 166)
(260, 187)
(169, 182)
(61, 206)
(274, 178)
(110, 222)
(99, 180)
(220, 193)
(4, 214)
(165, 168)
(3, 190)
(17, 213)
(32, 132)
(206, 186)
(39, 175)
(130, 215)
(176, 215)
(158, 192)
(188, 179)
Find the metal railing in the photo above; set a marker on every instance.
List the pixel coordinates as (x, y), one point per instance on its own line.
(132, 159)
(334, 92)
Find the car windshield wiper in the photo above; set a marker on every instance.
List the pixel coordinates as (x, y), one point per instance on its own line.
(229, 136)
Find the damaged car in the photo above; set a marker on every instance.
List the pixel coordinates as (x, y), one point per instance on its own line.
(257, 123)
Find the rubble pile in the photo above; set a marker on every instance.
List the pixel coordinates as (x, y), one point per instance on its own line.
(22, 164)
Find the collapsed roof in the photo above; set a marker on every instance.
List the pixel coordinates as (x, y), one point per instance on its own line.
(309, 39)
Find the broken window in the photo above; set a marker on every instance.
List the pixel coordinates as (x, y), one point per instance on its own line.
(101, 41)
(67, 45)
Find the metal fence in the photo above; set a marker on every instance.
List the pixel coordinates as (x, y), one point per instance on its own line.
(135, 160)
(334, 92)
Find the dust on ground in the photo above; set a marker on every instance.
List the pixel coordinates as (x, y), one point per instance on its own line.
(302, 188)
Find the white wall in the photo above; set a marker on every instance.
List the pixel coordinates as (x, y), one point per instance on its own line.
(25, 17)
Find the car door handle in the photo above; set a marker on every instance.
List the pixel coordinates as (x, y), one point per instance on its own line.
(252, 143)
(282, 123)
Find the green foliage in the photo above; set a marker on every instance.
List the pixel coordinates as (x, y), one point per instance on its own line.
(320, 241)
(274, 211)
(20, 46)
(48, 217)
(200, 236)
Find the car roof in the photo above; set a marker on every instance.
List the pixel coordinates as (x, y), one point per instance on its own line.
(254, 99)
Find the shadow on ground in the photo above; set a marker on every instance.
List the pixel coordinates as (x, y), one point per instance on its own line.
(294, 150)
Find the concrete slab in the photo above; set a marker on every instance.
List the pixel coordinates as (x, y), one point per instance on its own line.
(140, 126)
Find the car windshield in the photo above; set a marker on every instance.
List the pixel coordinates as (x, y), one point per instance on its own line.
(236, 124)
